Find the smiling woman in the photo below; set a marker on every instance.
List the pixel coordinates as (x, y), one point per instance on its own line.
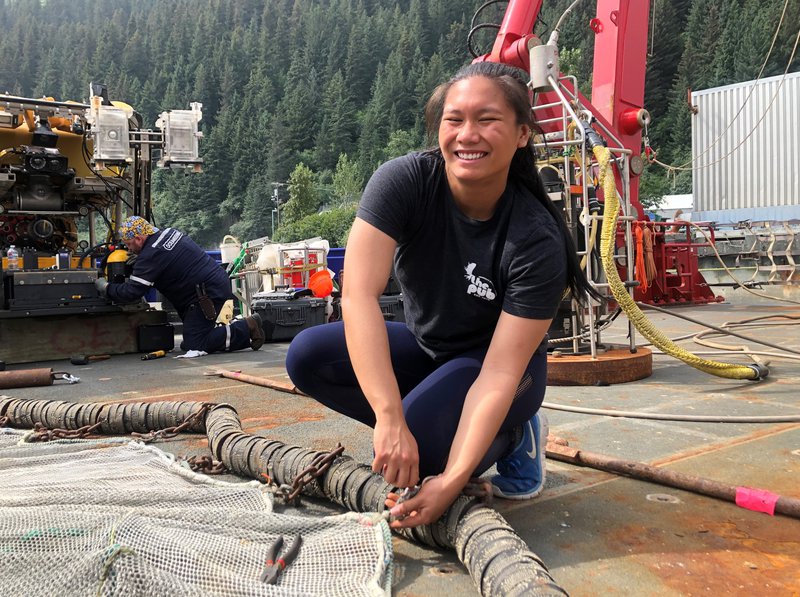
(482, 258)
(478, 135)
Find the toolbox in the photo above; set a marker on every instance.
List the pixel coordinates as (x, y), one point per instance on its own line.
(392, 307)
(157, 336)
(285, 317)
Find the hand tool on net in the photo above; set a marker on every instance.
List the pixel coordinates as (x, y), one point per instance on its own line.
(85, 359)
(275, 565)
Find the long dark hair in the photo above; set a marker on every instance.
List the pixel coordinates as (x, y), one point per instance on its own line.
(513, 82)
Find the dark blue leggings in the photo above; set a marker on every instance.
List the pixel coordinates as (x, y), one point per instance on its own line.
(433, 393)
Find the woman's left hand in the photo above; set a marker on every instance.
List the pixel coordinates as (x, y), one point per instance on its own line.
(434, 497)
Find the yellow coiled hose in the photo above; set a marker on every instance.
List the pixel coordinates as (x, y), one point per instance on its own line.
(629, 306)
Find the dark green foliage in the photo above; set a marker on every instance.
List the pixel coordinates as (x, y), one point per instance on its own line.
(332, 225)
(339, 124)
(304, 198)
(347, 181)
(255, 219)
(340, 85)
(664, 54)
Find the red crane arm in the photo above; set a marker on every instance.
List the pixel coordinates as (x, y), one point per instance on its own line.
(620, 57)
(511, 44)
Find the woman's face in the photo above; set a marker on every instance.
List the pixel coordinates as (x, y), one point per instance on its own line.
(479, 134)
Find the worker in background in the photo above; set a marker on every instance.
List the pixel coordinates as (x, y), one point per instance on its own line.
(190, 279)
(483, 258)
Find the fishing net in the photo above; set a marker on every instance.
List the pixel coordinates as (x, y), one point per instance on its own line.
(121, 518)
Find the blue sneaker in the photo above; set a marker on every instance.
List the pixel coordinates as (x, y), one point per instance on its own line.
(522, 472)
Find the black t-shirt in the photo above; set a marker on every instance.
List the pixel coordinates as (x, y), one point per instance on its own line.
(457, 274)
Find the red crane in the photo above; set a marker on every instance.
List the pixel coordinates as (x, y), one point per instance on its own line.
(620, 30)
(620, 56)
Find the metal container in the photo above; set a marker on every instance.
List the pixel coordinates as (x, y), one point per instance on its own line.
(745, 145)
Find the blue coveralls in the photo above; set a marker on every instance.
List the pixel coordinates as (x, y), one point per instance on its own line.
(174, 264)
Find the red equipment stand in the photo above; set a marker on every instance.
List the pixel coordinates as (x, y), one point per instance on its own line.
(678, 279)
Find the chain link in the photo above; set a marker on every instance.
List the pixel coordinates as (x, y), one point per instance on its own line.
(281, 491)
(479, 488)
(43, 434)
(206, 465)
(318, 467)
(170, 432)
(290, 493)
(203, 464)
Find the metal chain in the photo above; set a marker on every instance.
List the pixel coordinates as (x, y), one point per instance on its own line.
(43, 434)
(170, 432)
(290, 493)
(206, 465)
(479, 488)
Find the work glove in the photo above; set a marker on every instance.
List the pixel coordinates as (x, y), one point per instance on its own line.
(101, 284)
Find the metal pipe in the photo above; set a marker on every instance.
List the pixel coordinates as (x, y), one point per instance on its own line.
(558, 143)
(26, 378)
(787, 506)
(257, 381)
(545, 106)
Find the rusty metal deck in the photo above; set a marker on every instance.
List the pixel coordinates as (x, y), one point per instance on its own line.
(596, 532)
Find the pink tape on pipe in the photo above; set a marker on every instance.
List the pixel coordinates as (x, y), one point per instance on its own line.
(758, 500)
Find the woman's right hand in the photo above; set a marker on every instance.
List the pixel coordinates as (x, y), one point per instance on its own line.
(396, 453)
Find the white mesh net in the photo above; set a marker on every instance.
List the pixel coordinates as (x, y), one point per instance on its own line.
(120, 518)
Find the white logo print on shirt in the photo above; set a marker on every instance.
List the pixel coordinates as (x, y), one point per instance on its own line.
(478, 285)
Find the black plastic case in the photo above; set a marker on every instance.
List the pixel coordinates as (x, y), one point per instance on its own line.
(157, 336)
(285, 318)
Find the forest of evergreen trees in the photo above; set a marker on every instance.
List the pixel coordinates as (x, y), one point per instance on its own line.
(303, 98)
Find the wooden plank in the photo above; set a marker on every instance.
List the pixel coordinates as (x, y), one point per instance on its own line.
(54, 337)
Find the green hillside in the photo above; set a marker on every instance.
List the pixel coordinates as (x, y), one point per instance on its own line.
(318, 92)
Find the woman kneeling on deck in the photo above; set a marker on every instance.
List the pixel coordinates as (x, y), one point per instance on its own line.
(483, 258)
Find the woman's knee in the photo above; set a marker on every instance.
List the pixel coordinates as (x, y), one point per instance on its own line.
(314, 349)
(303, 352)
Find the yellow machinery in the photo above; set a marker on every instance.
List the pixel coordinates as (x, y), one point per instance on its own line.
(64, 167)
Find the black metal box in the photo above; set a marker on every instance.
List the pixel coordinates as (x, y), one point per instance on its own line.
(51, 289)
(285, 318)
(157, 336)
(392, 307)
